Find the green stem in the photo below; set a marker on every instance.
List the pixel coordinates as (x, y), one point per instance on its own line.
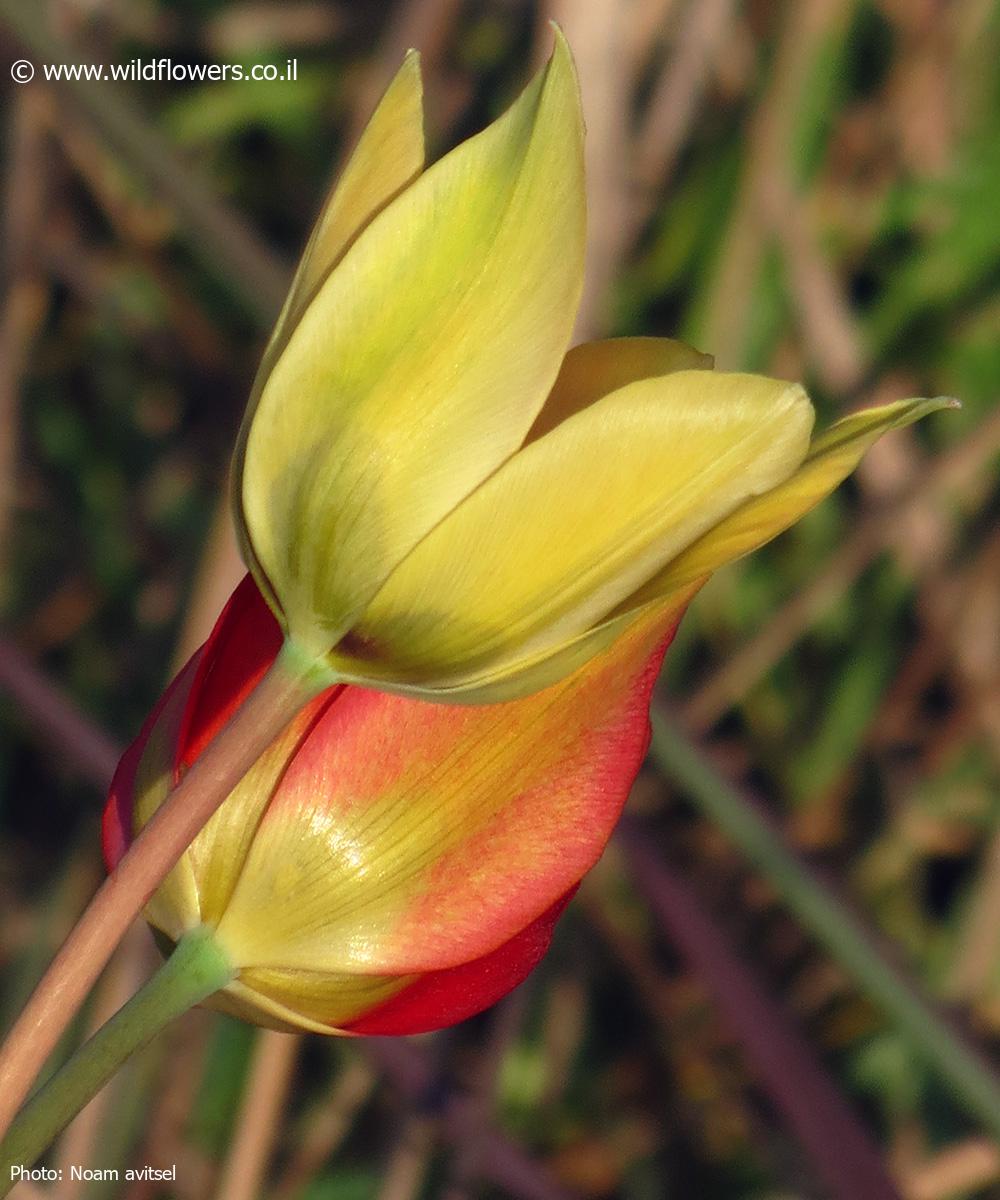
(289, 684)
(195, 970)
(975, 1085)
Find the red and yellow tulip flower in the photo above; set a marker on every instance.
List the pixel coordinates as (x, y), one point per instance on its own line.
(438, 502)
(391, 865)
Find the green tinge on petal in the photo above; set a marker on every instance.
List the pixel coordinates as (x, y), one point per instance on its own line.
(421, 362)
(520, 677)
(578, 520)
(831, 458)
(388, 157)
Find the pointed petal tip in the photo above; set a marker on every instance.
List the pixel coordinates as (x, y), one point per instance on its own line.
(907, 412)
(411, 64)
(561, 59)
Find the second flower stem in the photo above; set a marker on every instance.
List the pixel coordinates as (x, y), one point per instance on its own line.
(289, 684)
(195, 970)
(972, 1080)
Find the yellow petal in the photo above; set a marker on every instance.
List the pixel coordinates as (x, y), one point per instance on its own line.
(576, 522)
(247, 1004)
(594, 369)
(831, 458)
(421, 362)
(217, 854)
(521, 676)
(323, 998)
(388, 157)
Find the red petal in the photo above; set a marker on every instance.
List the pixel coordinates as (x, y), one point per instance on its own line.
(243, 644)
(442, 998)
(245, 641)
(116, 827)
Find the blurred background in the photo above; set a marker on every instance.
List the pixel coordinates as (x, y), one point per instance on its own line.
(783, 981)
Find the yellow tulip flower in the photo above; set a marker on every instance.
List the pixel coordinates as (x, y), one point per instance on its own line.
(434, 497)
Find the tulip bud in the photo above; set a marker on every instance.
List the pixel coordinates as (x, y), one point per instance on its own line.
(389, 865)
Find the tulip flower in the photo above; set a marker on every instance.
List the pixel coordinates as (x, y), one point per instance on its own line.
(390, 865)
(437, 499)
(438, 502)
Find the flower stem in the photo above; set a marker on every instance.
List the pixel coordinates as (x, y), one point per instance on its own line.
(289, 684)
(195, 970)
(974, 1084)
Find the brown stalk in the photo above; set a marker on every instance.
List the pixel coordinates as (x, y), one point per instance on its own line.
(960, 1170)
(223, 241)
(163, 1142)
(676, 100)
(52, 716)
(410, 1159)
(466, 1165)
(820, 304)
(502, 1162)
(259, 1121)
(650, 23)
(423, 25)
(327, 1127)
(598, 32)
(805, 27)
(24, 299)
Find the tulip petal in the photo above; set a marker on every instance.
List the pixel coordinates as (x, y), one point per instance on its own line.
(237, 1000)
(388, 157)
(241, 647)
(393, 1005)
(420, 363)
(523, 676)
(594, 369)
(408, 837)
(831, 458)
(441, 998)
(574, 523)
(117, 831)
(217, 855)
(173, 907)
(329, 999)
